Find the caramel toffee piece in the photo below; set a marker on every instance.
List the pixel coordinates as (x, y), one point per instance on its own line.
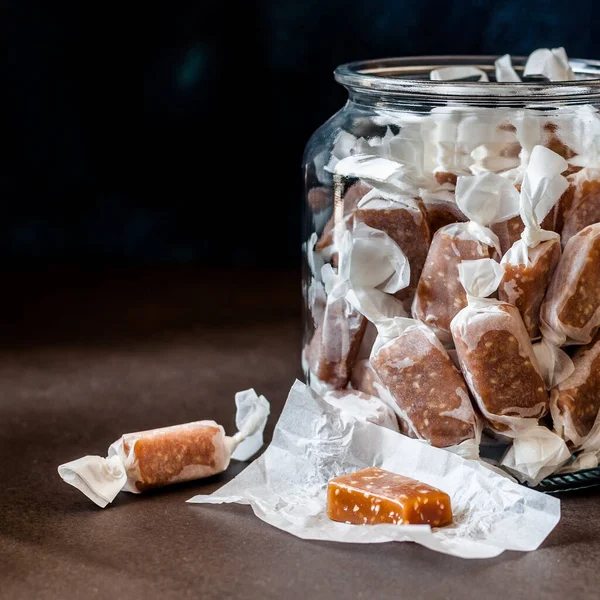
(578, 397)
(443, 177)
(426, 385)
(407, 226)
(440, 295)
(442, 213)
(374, 496)
(499, 364)
(524, 286)
(508, 232)
(584, 207)
(572, 305)
(334, 347)
(171, 454)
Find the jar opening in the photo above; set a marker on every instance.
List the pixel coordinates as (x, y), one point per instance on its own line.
(408, 78)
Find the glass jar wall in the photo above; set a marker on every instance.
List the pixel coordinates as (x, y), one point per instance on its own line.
(412, 178)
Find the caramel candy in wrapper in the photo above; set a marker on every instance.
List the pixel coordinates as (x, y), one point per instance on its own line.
(524, 285)
(571, 310)
(406, 224)
(144, 460)
(374, 496)
(334, 348)
(495, 352)
(427, 387)
(575, 402)
(440, 295)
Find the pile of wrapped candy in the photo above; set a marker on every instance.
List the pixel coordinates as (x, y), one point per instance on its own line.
(455, 287)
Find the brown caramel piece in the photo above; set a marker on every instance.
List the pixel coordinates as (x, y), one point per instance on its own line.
(571, 308)
(524, 286)
(428, 388)
(351, 198)
(333, 350)
(584, 206)
(374, 496)
(508, 232)
(181, 453)
(578, 396)
(443, 177)
(499, 364)
(554, 143)
(440, 295)
(407, 227)
(319, 198)
(365, 379)
(441, 210)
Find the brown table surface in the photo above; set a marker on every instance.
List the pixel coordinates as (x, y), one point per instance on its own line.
(85, 358)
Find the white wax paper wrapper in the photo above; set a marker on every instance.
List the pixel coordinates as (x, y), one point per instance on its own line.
(552, 64)
(372, 268)
(313, 442)
(504, 70)
(457, 73)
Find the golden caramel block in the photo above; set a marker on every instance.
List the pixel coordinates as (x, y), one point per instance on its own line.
(499, 364)
(577, 398)
(440, 295)
(571, 310)
(508, 232)
(374, 496)
(524, 286)
(333, 350)
(443, 177)
(407, 227)
(159, 457)
(582, 206)
(428, 388)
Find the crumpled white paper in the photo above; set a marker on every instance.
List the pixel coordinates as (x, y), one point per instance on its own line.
(505, 72)
(372, 268)
(552, 64)
(314, 442)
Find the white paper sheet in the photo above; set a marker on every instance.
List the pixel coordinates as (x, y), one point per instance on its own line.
(314, 441)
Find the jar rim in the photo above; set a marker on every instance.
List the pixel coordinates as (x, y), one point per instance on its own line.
(408, 77)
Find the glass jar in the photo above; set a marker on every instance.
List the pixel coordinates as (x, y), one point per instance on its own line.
(391, 159)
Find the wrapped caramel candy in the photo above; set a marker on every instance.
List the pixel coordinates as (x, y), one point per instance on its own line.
(530, 262)
(485, 199)
(371, 269)
(145, 460)
(429, 391)
(571, 310)
(373, 496)
(404, 220)
(502, 371)
(494, 350)
(575, 401)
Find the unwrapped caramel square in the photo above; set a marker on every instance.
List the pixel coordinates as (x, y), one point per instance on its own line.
(374, 496)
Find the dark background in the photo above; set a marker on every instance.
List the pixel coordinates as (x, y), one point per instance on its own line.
(173, 132)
